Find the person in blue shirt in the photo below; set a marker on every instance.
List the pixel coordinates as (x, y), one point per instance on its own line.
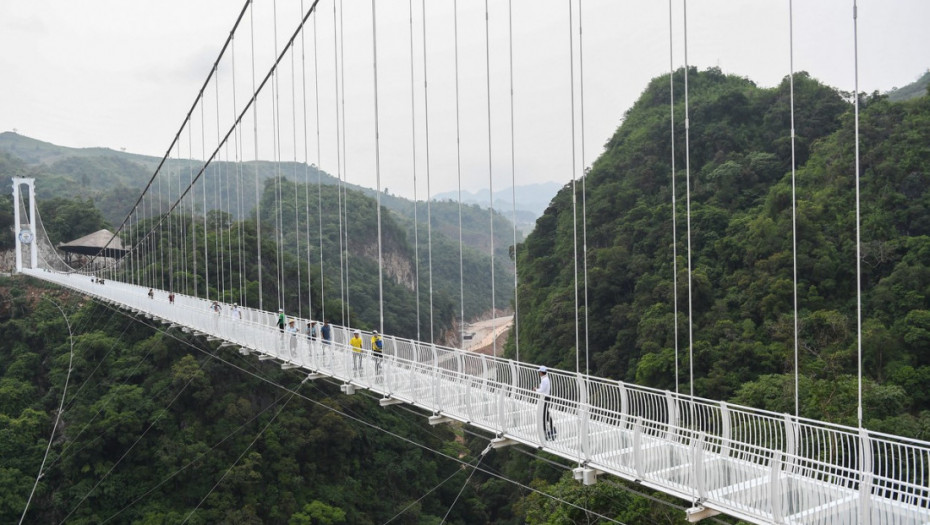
(326, 332)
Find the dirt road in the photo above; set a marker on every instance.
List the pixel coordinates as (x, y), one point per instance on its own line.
(485, 332)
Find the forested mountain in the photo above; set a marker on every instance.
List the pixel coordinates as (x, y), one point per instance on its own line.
(117, 178)
(741, 252)
(915, 89)
(291, 271)
(231, 190)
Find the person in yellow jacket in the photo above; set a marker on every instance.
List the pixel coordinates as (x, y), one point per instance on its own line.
(377, 350)
(356, 344)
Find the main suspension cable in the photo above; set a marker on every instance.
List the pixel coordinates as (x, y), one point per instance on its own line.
(374, 39)
(688, 208)
(584, 201)
(794, 206)
(487, 65)
(342, 286)
(513, 184)
(571, 81)
(458, 166)
(413, 169)
(671, 107)
(319, 164)
(306, 139)
(429, 216)
(345, 160)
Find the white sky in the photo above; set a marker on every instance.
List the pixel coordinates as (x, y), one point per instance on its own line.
(122, 74)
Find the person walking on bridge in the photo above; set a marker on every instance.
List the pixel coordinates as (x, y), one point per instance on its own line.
(292, 336)
(327, 332)
(281, 319)
(377, 350)
(356, 344)
(545, 389)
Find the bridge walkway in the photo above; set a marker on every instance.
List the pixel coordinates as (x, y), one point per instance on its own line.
(758, 466)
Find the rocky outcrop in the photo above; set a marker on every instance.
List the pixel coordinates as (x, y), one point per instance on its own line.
(397, 266)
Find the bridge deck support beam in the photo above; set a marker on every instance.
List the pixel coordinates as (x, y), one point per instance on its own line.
(388, 401)
(501, 442)
(438, 419)
(586, 475)
(347, 389)
(698, 513)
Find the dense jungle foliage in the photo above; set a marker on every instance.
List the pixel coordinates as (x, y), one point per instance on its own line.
(159, 426)
(154, 419)
(741, 252)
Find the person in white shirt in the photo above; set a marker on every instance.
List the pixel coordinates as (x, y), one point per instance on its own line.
(234, 313)
(545, 388)
(292, 336)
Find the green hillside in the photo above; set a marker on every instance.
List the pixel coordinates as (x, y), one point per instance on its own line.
(918, 88)
(116, 179)
(741, 252)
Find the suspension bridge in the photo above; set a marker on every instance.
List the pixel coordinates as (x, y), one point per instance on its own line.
(752, 464)
(759, 466)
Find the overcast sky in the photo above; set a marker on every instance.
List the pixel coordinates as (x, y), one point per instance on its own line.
(122, 74)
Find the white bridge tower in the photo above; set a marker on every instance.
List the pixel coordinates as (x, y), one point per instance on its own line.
(25, 234)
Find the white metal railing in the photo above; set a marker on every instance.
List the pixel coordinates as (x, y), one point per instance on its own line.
(753, 464)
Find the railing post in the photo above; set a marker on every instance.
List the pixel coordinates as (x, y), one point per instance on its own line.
(624, 405)
(437, 394)
(775, 492)
(672, 416)
(469, 408)
(462, 380)
(725, 430)
(484, 383)
(865, 477)
(791, 431)
(500, 402)
(584, 415)
(638, 448)
(501, 399)
(697, 466)
(514, 384)
(388, 358)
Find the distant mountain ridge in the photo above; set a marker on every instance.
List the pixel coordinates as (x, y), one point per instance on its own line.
(915, 89)
(117, 177)
(531, 201)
